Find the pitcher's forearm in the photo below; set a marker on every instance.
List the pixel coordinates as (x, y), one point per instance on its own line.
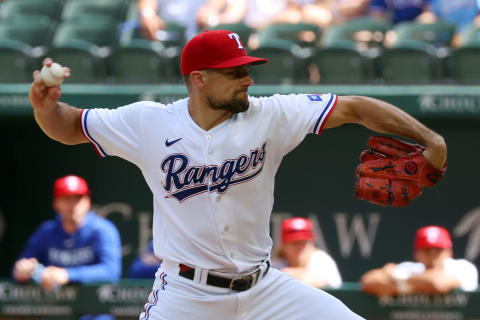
(383, 117)
(61, 123)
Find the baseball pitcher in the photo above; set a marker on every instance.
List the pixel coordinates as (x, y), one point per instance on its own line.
(210, 161)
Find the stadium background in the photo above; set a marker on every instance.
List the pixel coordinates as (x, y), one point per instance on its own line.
(316, 180)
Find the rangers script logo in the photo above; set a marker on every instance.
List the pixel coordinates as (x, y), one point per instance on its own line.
(183, 181)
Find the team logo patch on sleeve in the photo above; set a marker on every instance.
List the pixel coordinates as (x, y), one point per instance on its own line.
(315, 97)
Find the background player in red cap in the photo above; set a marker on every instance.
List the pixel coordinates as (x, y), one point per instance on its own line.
(435, 271)
(77, 246)
(298, 256)
(210, 161)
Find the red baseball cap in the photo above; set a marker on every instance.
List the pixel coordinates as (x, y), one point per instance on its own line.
(297, 228)
(70, 185)
(215, 49)
(432, 237)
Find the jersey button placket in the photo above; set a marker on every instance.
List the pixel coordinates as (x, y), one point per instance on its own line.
(208, 147)
(209, 139)
(207, 153)
(215, 198)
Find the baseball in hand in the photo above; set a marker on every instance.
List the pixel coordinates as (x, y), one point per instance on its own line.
(53, 75)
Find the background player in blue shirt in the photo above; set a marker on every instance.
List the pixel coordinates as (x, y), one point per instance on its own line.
(76, 246)
(145, 265)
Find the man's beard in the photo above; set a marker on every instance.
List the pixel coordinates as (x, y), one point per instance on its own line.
(233, 105)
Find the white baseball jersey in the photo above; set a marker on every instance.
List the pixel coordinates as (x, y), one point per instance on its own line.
(322, 264)
(213, 190)
(463, 270)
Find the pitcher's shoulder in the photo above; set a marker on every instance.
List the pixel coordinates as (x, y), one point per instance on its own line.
(171, 108)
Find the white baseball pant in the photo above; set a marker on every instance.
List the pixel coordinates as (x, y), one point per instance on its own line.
(276, 296)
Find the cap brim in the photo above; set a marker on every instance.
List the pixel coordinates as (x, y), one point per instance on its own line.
(239, 61)
(299, 235)
(428, 245)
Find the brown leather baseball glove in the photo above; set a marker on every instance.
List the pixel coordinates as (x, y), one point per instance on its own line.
(393, 172)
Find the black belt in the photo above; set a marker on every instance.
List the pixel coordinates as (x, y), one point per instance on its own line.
(237, 284)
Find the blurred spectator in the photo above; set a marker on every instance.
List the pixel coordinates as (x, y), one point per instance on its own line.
(317, 12)
(434, 272)
(344, 10)
(399, 11)
(298, 256)
(462, 13)
(260, 13)
(77, 246)
(145, 265)
(221, 12)
(155, 14)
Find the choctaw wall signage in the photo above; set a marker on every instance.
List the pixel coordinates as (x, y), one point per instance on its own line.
(32, 300)
(126, 300)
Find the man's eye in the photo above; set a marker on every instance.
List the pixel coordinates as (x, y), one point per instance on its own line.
(240, 73)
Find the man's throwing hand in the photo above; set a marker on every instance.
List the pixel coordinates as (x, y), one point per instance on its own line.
(42, 96)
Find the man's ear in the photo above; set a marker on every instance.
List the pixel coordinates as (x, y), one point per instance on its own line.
(198, 79)
(54, 205)
(415, 255)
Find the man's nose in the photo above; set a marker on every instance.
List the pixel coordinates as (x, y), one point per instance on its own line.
(248, 81)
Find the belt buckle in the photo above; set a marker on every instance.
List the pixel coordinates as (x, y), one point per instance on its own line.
(253, 277)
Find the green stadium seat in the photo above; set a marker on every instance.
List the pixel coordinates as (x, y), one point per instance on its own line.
(303, 34)
(172, 36)
(285, 66)
(361, 30)
(471, 34)
(340, 64)
(82, 58)
(140, 62)
(33, 30)
(129, 29)
(15, 61)
(50, 8)
(438, 34)
(100, 33)
(410, 62)
(465, 66)
(116, 9)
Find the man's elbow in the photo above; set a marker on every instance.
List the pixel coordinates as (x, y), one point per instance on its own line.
(377, 289)
(70, 140)
(108, 277)
(376, 282)
(114, 276)
(442, 287)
